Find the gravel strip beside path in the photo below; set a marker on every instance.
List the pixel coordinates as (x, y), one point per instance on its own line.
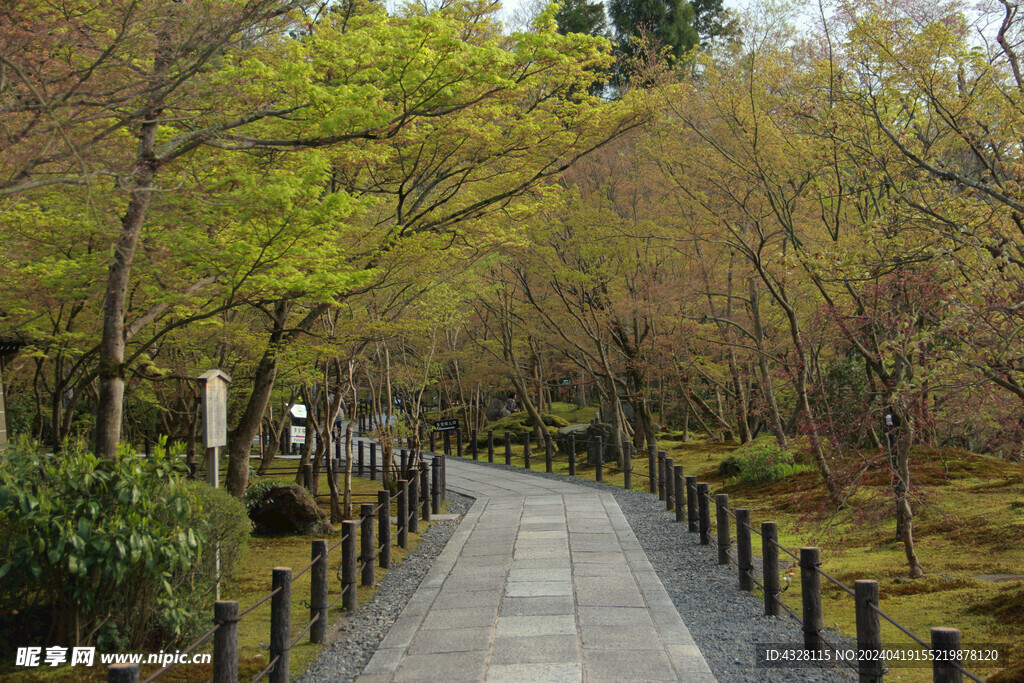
(358, 637)
(724, 621)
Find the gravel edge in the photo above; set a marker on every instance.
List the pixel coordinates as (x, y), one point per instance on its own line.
(358, 637)
(724, 621)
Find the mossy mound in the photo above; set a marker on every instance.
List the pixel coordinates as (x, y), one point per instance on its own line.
(520, 422)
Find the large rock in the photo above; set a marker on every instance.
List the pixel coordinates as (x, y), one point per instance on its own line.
(288, 510)
(605, 431)
(494, 408)
(577, 430)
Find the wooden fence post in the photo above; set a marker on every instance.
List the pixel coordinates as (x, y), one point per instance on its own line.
(526, 450)
(318, 592)
(722, 519)
(691, 505)
(770, 568)
(359, 461)
(458, 441)
(599, 470)
(425, 488)
(444, 479)
(433, 441)
(123, 673)
(490, 445)
(704, 514)
(367, 544)
(946, 646)
(447, 439)
(627, 467)
(373, 461)
(661, 475)
(474, 447)
(810, 591)
(652, 467)
(744, 553)
(670, 498)
(549, 454)
(349, 565)
(402, 522)
(435, 489)
(508, 448)
(572, 455)
(678, 487)
(384, 528)
(225, 642)
(414, 504)
(869, 631)
(281, 623)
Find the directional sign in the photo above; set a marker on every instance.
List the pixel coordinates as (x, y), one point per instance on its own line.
(446, 425)
(298, 434)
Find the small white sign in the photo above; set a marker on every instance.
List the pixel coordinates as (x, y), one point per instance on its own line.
(298, 434)
(299, 411)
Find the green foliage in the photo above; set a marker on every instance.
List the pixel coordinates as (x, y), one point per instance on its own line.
(761, 462)
(109, 552)
(226, 522)
(580, 16)
(668, 22)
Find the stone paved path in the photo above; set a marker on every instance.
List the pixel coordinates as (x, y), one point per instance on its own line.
(543, 581)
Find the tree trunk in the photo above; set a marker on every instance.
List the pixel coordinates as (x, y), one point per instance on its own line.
(901, 489)
(249, 424)
(110, 404)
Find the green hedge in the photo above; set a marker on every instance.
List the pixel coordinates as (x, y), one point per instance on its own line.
(114, 553)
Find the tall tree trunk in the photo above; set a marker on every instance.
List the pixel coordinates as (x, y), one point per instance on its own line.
(110, 405)
(767, 390)
(901, 491)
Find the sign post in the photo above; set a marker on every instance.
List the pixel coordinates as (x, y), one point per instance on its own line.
(215, 435)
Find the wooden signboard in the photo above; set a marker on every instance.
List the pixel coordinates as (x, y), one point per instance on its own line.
(446, 425)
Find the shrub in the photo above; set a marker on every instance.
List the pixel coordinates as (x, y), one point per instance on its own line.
(105, 552)
(761, 462)
(225, 521)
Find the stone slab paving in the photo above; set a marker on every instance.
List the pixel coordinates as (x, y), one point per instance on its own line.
(543, 581)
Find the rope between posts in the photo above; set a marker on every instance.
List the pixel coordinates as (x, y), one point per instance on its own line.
(195, 644)
(836, 582)
(899, 626)
(845, 661)
(304, 631)
(343, 538)
(261, 601)
(270, 667)
(307, 567)
(340, 596)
